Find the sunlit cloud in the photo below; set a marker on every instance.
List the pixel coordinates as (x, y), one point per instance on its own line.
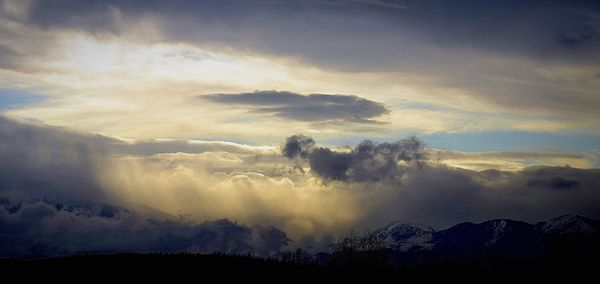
(259, 185)
(98, 75)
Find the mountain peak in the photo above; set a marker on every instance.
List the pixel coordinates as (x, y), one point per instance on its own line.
(398, 226)
(406, 236)
(569, 224)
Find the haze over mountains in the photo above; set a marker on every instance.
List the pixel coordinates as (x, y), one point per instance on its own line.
(65, 192)
(53, 227)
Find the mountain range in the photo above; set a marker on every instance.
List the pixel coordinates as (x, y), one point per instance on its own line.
(571, 235)
(567, 235)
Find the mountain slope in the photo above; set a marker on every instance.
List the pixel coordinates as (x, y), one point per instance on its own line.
(564, 235)
(569, 224)
(406, 237)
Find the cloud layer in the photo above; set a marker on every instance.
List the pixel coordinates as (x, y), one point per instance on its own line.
(311, 108)
(47, 227)
(303, 196)
(534, 71)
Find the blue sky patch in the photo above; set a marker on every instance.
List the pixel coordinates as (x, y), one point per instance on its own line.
(15, 98)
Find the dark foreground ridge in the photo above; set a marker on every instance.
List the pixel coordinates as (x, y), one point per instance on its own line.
(231, 267)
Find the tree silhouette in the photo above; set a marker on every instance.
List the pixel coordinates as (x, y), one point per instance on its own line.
(365, 249)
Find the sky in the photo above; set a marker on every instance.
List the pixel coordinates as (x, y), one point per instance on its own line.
(188, 107)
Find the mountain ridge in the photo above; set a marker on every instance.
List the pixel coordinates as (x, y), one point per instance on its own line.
(571, 234)
(566, 233)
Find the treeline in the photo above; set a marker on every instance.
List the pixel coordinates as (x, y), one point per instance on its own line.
(355, 255)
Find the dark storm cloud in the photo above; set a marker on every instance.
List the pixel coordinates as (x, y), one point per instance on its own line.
(339, 32)
(46, 140)
(83, 15)
(573, 41)
(444, 196)
(312, 108)
(442, 40)
(7, 57)
(47, 227)
(298, 146)
(41, 159)
(553, 178)
(368, 161)
(38, 160)
(45, 160)
(379, 161)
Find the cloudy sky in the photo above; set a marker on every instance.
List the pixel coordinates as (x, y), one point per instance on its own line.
(311, 116)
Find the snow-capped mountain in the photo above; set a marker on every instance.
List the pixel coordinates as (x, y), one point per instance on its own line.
(500, 236)
(406, 237)
(569, 224)
(85, 208)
